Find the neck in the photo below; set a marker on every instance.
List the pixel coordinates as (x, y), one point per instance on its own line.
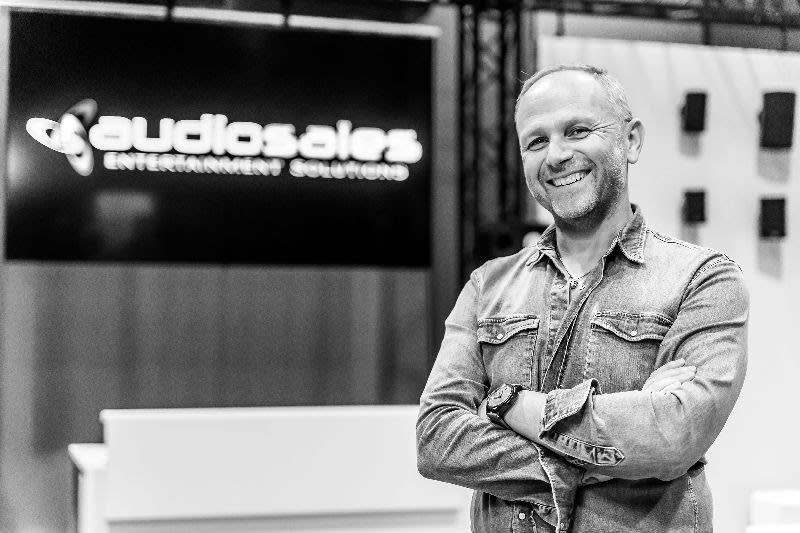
(582, 245)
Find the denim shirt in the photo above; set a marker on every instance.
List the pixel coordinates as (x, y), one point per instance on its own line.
(590, 345)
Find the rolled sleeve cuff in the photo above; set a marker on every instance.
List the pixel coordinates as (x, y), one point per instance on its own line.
(562, 403)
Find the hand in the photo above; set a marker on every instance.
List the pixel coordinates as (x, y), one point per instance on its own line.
(669, 377)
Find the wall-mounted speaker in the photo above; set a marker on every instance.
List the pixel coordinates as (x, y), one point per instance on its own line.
(694, 207)
(772, 218)
(693, 112)
(777, 120)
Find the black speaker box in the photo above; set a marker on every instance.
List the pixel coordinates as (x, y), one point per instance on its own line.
(693, 112)
(772, 219)
(777, 120)
(694, 207)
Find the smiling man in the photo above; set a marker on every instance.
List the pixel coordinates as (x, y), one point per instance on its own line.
(581, 381)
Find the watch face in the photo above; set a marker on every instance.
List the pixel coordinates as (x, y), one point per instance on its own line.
(499, 396)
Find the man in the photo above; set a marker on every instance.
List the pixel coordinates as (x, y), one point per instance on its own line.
(611, 354)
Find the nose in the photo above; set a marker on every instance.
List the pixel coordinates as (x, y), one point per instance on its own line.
(558, 152)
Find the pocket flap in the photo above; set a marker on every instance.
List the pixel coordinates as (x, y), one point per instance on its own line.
(496, 330)
(633, 326)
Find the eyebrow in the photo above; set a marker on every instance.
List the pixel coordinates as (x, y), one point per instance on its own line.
(563, 123)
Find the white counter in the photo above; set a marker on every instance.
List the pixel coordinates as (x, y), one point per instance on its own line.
(309, 469)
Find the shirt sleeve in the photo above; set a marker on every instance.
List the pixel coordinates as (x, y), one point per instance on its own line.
(638, 434)
(457, 446)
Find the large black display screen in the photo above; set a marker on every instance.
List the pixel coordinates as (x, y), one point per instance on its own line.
(164, 141)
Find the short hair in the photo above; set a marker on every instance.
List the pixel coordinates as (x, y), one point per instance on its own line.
(612, 86)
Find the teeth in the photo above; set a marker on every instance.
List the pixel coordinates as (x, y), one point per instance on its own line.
(572, 178)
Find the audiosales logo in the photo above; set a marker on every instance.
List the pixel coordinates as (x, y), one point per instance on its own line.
(69, 135)
(213, 145)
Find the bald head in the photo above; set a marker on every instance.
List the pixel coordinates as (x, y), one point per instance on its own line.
(614, 91)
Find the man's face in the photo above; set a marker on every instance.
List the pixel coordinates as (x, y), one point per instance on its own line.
(575, 148)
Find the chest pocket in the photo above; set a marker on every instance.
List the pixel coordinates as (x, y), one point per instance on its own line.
(622, 348)
(507, 344)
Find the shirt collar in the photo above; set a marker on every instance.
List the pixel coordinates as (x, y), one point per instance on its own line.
(630, 240)
(632, 236)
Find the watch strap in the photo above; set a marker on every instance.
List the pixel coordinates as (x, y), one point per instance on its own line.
(496, 414)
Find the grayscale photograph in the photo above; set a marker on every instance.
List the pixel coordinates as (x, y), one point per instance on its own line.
(399, 266)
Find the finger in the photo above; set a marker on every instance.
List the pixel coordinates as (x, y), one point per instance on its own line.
(672, 365)
(660, 383)
(682, 373)
(673, 372)
(670, 387)
(676, 374)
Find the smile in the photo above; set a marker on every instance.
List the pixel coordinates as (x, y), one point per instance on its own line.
(572, 178)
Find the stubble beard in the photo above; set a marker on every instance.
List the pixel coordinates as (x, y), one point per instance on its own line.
(590, 208)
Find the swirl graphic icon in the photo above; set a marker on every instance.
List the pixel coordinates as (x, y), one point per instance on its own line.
(69, 135)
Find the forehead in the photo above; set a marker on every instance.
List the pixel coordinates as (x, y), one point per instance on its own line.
(564, 94)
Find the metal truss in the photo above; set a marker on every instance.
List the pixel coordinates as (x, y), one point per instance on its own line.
(769, 13)
(766, 13)
(491, 60)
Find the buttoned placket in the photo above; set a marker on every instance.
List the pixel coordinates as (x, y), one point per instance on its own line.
(562, 313)
(557, 309)
(561, 304)
(559, 333)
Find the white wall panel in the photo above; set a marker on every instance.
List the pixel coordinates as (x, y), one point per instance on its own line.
(754, 449)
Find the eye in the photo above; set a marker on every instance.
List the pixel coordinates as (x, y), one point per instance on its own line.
(578, 132)
(537, 143)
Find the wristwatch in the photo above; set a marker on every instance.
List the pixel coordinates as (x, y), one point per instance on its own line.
(500, 401)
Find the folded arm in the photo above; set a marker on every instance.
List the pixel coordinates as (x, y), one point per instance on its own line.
(642, 434)
(457, 445)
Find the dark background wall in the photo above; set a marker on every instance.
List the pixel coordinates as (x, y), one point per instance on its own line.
(78, 338)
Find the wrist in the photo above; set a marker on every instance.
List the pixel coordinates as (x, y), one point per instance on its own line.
(500, 401)
(525, 416)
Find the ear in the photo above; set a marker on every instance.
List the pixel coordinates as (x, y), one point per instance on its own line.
(635, 139)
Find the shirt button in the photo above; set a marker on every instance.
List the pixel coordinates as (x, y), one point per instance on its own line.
(522, 516)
